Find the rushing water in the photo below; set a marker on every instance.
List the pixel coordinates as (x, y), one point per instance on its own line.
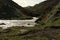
(25, 23)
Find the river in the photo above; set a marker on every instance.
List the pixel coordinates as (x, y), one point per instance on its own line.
(25, 23)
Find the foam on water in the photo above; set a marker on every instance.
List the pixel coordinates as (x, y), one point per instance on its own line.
(25, 23)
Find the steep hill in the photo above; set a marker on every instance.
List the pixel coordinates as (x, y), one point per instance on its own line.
(47, 10)
(53, 15)
(11, 10)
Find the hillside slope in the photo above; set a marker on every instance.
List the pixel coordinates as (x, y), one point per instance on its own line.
(52, 16)
(47, 10)
(11, 10)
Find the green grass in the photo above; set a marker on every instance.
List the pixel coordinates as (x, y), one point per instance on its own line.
(55, 23)
(16, 30)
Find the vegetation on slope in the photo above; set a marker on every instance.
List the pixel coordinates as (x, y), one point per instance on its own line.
(11, 10)
(47, 10)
